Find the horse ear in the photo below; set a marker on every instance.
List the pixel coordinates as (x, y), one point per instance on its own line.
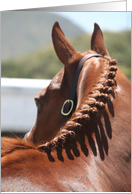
(63, 48)
(97, 42)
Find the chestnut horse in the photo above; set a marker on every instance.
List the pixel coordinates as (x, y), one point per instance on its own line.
(91, 149)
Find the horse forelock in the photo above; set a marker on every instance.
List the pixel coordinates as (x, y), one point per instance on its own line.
(93, 103)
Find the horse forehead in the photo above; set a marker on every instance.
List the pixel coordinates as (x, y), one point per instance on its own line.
(41, 93)
(54, 85)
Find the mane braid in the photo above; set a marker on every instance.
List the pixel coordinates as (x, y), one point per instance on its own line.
(94, 102)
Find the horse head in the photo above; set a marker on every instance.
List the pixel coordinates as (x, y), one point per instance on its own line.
(95, 80)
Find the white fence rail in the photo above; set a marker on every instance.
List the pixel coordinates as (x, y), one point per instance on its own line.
(18, 110)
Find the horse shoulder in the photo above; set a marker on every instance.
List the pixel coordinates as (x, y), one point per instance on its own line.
(29, 170)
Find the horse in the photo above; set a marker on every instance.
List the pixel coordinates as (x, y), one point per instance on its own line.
(81, 140)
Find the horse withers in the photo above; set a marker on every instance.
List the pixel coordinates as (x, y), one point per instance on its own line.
(79, 144)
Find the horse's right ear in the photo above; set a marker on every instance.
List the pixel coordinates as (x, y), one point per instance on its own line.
(63, 48)
(97, 42)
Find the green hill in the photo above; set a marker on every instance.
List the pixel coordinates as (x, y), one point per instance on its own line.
(45, 64)
(23, 32)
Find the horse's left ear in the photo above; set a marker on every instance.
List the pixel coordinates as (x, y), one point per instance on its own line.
(62, 46)
(97, 42)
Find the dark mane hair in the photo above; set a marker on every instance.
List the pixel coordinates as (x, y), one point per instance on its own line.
(93, 103)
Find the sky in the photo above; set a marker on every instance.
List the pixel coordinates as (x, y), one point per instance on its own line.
(113, 21)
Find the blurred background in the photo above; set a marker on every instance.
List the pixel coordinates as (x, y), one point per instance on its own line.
(28, 60)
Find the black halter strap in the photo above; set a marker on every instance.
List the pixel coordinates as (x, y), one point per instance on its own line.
(69, 103)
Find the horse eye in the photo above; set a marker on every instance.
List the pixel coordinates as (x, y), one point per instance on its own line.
(39, 104)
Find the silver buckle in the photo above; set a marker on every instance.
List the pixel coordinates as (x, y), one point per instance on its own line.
(62, 111)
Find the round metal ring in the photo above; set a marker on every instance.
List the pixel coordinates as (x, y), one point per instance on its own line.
(62, 112)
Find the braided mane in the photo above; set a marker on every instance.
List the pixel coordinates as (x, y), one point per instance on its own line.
(93, 103)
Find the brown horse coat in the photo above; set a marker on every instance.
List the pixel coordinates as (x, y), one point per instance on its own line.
(92, 151)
